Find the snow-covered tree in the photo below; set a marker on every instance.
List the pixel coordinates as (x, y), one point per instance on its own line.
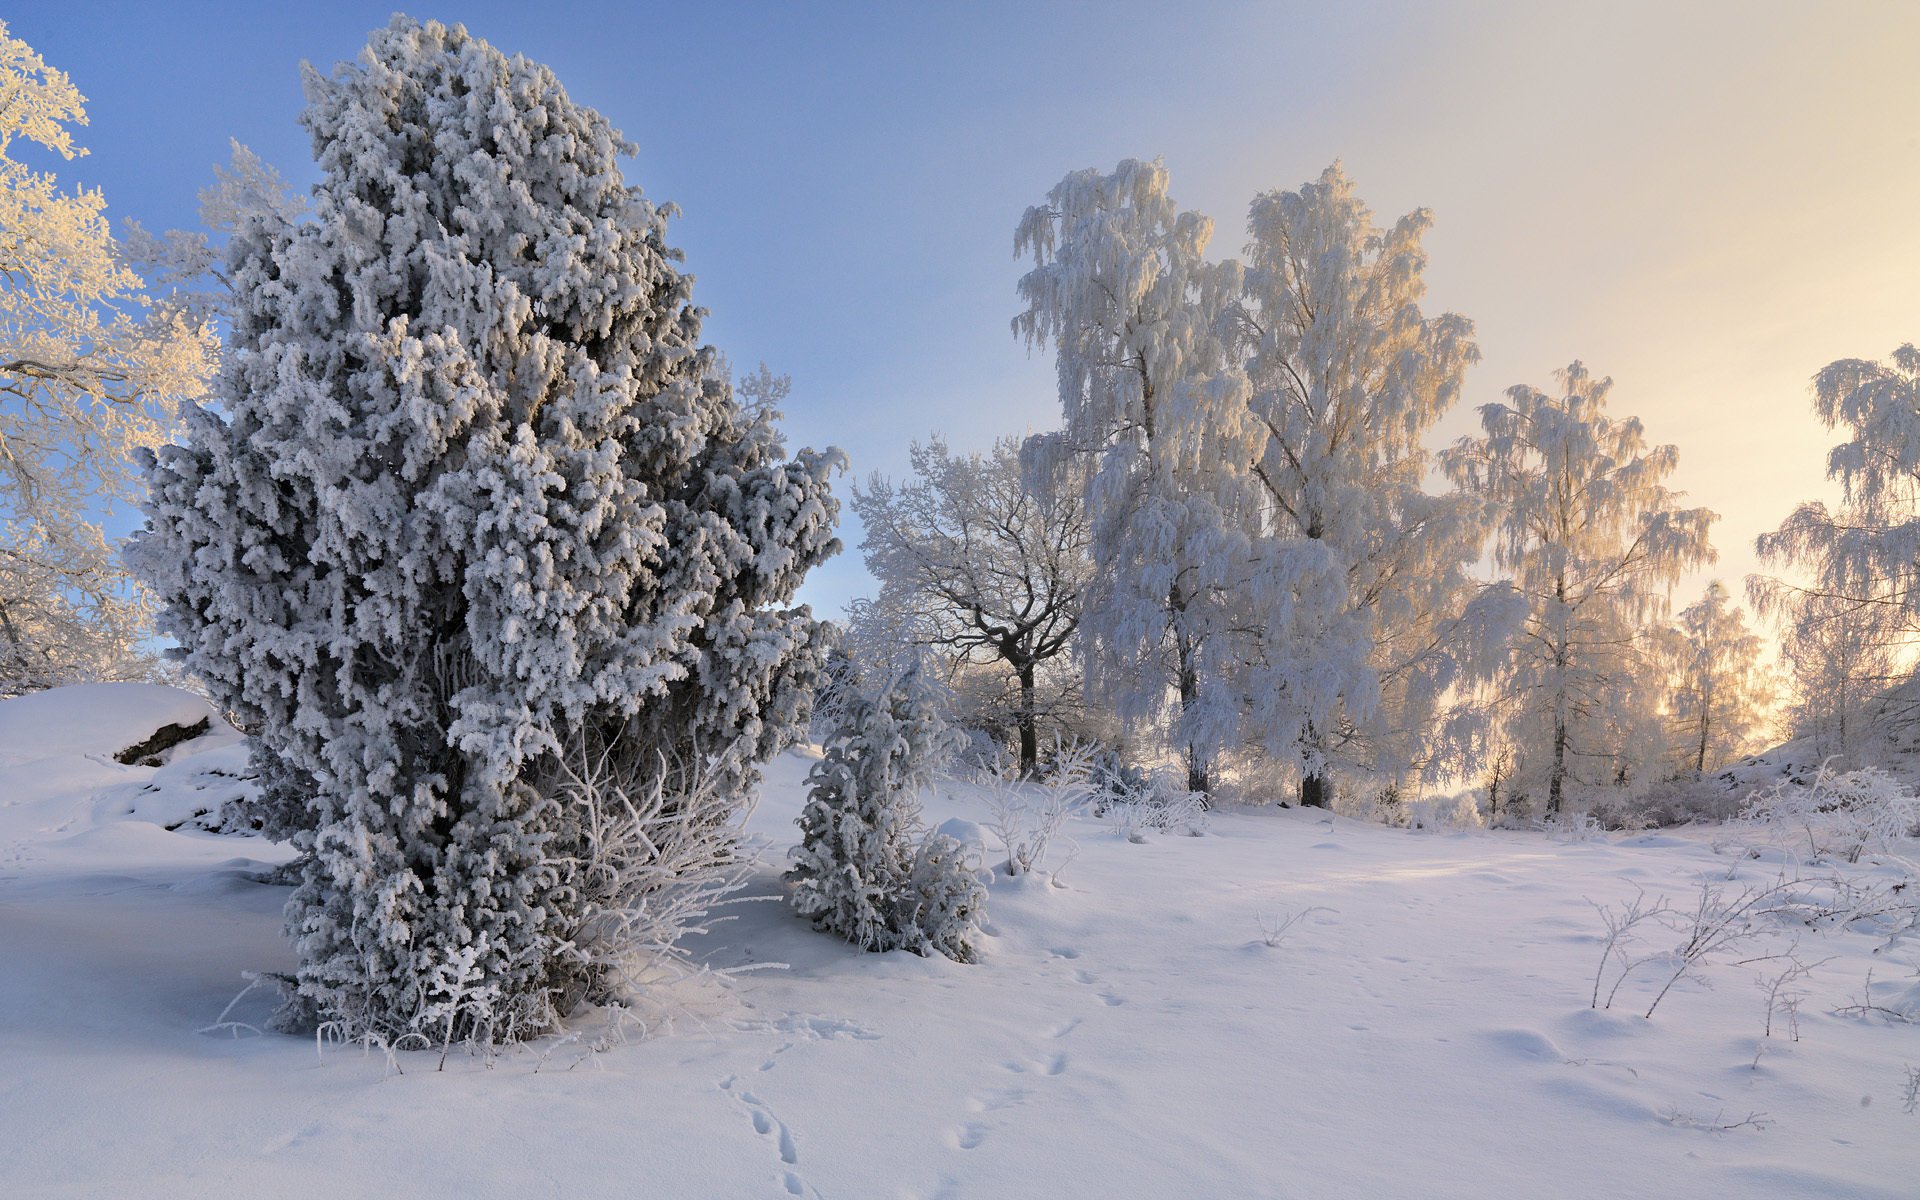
(1851, 604)
(91, 369)
(865, 867)
(981, 562)
(1868, 551)
(1839, 658)
(1592, 538)
(1347, 377)
(1121, 289)
(1719, 693)
(474, 503)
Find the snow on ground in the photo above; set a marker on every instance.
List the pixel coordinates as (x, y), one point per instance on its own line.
(1424, 1032)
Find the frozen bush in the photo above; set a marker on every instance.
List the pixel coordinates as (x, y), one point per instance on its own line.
(1458, 811)
(943, 900)
(1835, 815)
(1027, 817)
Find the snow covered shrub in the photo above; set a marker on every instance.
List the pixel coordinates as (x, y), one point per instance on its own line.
(1835, 815)
(1114, 780)
(1027, 817)
(646, 866)
(473, 500)
(942, 902)
(1456, 811)
(1163, 805)
(864, 868)
(1569, 826)
(1138, 800)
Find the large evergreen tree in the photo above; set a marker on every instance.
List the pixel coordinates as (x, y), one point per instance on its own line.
(474, 501)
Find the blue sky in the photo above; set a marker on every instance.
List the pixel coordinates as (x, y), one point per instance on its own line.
(1707, 202)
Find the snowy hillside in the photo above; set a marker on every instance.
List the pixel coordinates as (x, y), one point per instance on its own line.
(1423, 1029)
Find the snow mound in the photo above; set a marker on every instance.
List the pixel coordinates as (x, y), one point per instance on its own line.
(95, 719)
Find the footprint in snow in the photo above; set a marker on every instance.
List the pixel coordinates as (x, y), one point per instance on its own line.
(772, 1128)
(1052, 1064)
(994, 1101)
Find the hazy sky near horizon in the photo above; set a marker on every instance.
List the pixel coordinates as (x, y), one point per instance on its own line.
(1706, 202)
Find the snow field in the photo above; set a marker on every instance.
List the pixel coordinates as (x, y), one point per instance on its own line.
(1424, 1030)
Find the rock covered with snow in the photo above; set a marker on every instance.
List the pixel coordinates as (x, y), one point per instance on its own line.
(98, 719)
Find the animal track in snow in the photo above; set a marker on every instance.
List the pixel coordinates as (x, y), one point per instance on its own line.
(1052, 1064)
(994, 1101)
(772, 1128)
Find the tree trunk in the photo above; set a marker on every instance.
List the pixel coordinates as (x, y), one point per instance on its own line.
(1029, 735)
(1316, 790)
(1197, 764)
(1559, 772)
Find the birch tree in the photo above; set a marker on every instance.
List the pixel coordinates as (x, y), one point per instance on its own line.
(91, 369)
(1839, 658)
(1849, 590)
(1720, 693)
(1592, 538)
(1866, 552)
(1185, 592)
(1347, 378)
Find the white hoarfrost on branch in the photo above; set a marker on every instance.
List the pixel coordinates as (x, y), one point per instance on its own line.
(476, 506)
(91, 370)
(1593, 538)
(1347, 377)
(984, 565)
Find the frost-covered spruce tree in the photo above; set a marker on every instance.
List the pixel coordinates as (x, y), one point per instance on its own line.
(473, 502)
(864, 868)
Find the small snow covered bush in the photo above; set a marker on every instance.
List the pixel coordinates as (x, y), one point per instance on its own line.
(1165, 805)
(1835, 815)
(864, 868)
(1139, 801)
(942, 902)
(1570, 826)
(1027, 817)
(1458, 811)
